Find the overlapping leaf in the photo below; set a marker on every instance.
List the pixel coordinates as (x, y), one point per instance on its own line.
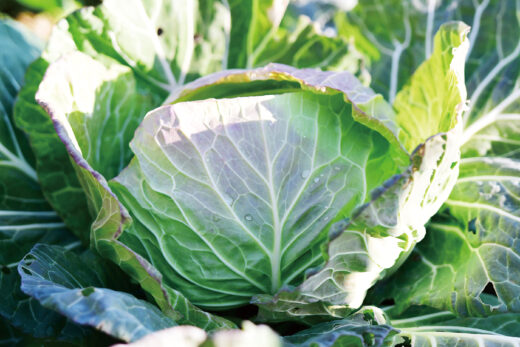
(443, 329)
(73, 286)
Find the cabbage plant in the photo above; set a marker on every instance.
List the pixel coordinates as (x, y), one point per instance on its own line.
(226, 161)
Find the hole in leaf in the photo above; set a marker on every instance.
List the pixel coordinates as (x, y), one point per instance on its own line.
(160, 31)
(197, 38)
(406, 342)
(87, 291)
(6, 270)
(490, 289)
(472, 226)
(27, 271)
(489, 295)
(388, 302)
(29, 259)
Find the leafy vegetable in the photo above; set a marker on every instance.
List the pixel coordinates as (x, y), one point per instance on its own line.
(73, 285)
(172, 47)
(443, 329)
(272, 214)
(229, 157)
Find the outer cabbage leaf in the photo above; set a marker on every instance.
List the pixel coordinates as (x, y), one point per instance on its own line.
(20, 310)
(174, 42)
(25, 217)
(92, 87)
(367, 327)
(483, 229)
(443, 329)
(55, 173)
(73, 284)
(395, 36)
(482, 214)
(70, 335)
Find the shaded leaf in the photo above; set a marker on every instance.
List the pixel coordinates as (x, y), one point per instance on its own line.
(442, 329)
(71, 285)
(367, 327)
(481, 216)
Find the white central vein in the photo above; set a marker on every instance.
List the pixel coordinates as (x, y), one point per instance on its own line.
(396, 322)
(277, 231)
(6, 213)
(399, 47)
(475, 27)
(33, 226)
(479, 206)
(492, 116)
(15, 161)
(487, 80)
(428, 47)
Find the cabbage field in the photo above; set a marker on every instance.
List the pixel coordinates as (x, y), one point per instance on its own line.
(230, 173)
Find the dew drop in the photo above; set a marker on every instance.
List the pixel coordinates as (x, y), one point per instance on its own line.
(316, 180)
(248, 217)
(337, 168)
(305, 173)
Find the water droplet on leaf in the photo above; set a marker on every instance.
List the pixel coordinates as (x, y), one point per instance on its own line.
(248, 217)
(305, 173)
